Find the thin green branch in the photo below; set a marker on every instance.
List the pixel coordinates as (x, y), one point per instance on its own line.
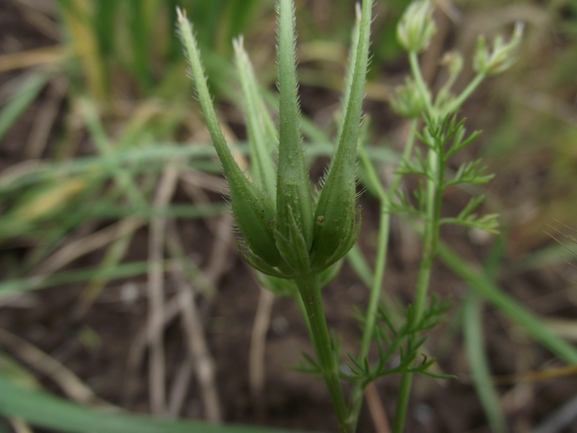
(430, 241)
(422, 86)
(456, 103)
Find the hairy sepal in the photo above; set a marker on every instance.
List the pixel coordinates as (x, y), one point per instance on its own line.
(255, 218)
(336, 230)
(293, 184)
(335, 237)
(293, 246)
(258, 263)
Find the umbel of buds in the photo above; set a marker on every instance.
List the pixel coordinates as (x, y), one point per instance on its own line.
(292, 234)
(416, 27)
(408, 100)
(501, 57)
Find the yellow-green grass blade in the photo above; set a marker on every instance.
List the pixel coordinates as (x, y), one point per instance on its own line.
(44, 410)
(19, 285)
(153, 157)
(22, 99)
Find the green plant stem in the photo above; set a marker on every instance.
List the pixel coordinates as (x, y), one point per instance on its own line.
(419, 305)
(310, 290)
(414, 61)
(356, 399)
(430, 243)
(406, 155)
(303, 311)
(385, 198)
(456, 104)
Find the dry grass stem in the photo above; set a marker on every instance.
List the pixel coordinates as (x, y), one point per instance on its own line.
(376, 409)
(138, 348)
(205, 181)
(35, 57)
(561, 419)
(66, 380)
(218, 262)
(156, 370)
(256, 366)
(198, 347)
(45, 117)
(114, 255)
(85, 245)
(179, 387)
(564, 327)
(20, 426)
(40, 14)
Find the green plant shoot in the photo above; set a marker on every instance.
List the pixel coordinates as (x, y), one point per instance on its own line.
(293, 237)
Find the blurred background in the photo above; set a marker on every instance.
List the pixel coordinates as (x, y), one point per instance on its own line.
(112, 216)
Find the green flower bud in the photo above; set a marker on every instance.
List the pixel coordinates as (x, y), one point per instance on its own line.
(503, 55)
(336, 227)
(408, 101)
(290, 240)
(255, 218)
(253, 211)
(416, 27)
(293, 203)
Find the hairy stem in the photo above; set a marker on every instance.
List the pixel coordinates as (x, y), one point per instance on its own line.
(310, 290)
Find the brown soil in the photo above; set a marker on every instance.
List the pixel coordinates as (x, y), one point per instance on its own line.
(96, 346)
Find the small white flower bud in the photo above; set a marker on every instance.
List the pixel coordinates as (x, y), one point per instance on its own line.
(408, 101)
(503, 55)
(416, 27)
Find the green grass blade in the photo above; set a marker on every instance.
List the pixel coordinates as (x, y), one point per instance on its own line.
(175, 211)
(486, 288)
(105, 14)
(22, 100)
(549, 256)
(153, 158)
(140, 45)
(19, 285)
(241, 15)
(43, 410)
(209, 21)
(475, 347)
(122, 177)
(479, 364)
